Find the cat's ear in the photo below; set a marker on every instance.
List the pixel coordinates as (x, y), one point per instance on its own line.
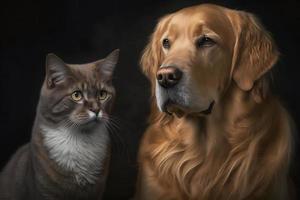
(56, 70)
(109, 63)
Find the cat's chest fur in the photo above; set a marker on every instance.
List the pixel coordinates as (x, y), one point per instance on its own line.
(78, 153)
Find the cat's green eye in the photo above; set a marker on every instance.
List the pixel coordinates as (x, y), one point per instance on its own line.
(77, 96)
(103, 95)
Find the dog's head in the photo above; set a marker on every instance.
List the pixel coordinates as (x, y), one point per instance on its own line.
(195, 53)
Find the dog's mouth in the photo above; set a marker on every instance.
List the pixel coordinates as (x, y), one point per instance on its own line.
(170, 107)
(209, 109)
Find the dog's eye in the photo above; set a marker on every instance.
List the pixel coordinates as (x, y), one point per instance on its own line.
(205, 42)
(166, 43)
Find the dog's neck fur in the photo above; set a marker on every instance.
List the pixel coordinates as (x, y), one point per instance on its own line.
(248, 161)
(256, 129)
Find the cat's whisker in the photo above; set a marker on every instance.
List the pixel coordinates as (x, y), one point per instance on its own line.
(68, 124)
(115, 128)
(120, 123)
(114, 133)
(114, 125)
(115, 122)
(109, 129)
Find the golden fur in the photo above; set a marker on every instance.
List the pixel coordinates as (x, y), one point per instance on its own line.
(242, 149)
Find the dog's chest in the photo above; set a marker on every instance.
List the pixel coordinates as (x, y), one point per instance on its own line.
(175, 162)
(82, 155)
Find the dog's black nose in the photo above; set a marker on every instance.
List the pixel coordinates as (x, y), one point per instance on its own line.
(167, 77)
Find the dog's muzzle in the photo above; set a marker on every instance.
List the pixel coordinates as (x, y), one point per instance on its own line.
(173, 95)
(168, 77)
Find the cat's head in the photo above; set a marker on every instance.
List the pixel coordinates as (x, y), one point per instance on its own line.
(78, 95)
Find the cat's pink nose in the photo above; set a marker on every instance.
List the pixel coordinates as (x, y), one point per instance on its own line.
(95, 110)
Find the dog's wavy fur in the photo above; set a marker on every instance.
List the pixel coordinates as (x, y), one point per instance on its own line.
(242, 150)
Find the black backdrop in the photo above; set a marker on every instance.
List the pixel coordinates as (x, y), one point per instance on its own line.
(83, 31)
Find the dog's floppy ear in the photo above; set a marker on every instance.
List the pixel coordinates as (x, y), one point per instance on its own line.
(150, 58)
(152, 55)
(255, 51)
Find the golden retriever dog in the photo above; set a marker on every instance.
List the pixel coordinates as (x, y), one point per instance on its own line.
(216, 131)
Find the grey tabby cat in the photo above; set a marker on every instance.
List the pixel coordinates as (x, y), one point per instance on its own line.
(68, 155)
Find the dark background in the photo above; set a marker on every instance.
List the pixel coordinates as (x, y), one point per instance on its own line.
(84, 31)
